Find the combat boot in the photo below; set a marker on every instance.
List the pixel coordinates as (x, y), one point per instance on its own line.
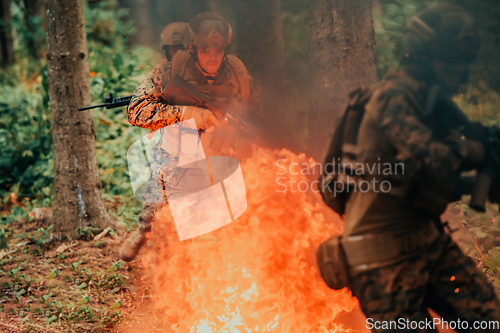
(131, 247)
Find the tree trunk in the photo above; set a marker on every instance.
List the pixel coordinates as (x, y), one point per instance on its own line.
(77, 187)
(6, 43)
(260, 47)
(341, 58)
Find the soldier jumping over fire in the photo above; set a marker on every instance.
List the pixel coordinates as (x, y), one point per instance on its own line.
(206, 65)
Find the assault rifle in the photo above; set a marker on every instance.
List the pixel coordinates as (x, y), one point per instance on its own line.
(177, 92)
(180, 92)
(486, 184)
(109, 103)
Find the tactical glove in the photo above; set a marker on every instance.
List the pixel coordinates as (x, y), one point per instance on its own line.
(203, 118)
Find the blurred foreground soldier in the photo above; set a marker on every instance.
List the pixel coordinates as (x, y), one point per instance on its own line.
(206, 66)
(172, 39)
(403, 144)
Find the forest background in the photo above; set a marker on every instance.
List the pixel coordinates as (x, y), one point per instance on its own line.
(123, 43)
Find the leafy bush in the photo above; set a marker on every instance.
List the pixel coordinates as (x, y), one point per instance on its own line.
(390, 20)
(26, 165)
(26, 157)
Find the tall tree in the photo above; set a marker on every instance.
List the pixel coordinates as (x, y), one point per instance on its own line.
(261, 48)
(341, 58)
(77, 187)
(6, 43)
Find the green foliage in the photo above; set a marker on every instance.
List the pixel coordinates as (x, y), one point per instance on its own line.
(26, 156)
(87, 233)
(391, 17)
(42, 237)
(26, 159)
(480, 103)
(492, 260)
(390, 20)
(106, 25)
(30, 37)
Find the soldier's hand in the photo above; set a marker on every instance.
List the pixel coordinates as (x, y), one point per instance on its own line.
(203, 118)
(472, 152)
(474, 156)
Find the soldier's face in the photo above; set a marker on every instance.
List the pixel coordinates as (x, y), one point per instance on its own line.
(210, 59)
(451, 75)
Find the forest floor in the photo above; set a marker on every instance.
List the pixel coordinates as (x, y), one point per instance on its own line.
(82, 286)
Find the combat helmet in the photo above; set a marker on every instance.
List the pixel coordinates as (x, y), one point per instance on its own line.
(442, 31)
(208, 30)
(173, 34)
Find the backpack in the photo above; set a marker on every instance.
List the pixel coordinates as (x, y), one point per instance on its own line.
(345, 134)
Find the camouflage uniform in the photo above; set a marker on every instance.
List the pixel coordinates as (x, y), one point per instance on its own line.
(148, 109)
(438, 276)
(400, 137)
(441, 278)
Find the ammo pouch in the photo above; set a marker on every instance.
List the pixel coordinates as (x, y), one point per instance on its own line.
(332, 263)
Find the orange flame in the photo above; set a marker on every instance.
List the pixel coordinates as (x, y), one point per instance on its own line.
(256, 274)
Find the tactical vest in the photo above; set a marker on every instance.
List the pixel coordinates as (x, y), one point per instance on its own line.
(231, 90)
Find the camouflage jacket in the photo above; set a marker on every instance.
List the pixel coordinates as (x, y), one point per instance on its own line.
(148, 108)
(419, 143)
(395, 131)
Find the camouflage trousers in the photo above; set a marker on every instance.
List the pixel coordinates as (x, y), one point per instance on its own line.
(442, 278)
(163, 179)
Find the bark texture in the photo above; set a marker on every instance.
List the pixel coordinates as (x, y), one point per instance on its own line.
(341, 58)
(77, 187)
(260, 47)
(6, 43)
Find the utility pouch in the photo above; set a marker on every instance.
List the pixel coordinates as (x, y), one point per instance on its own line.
(332, 188)
(332, 263)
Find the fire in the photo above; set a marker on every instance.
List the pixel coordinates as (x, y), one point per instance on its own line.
(256, 274)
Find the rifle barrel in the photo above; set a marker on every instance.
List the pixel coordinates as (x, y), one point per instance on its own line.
(83, 108)
(110, 103)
